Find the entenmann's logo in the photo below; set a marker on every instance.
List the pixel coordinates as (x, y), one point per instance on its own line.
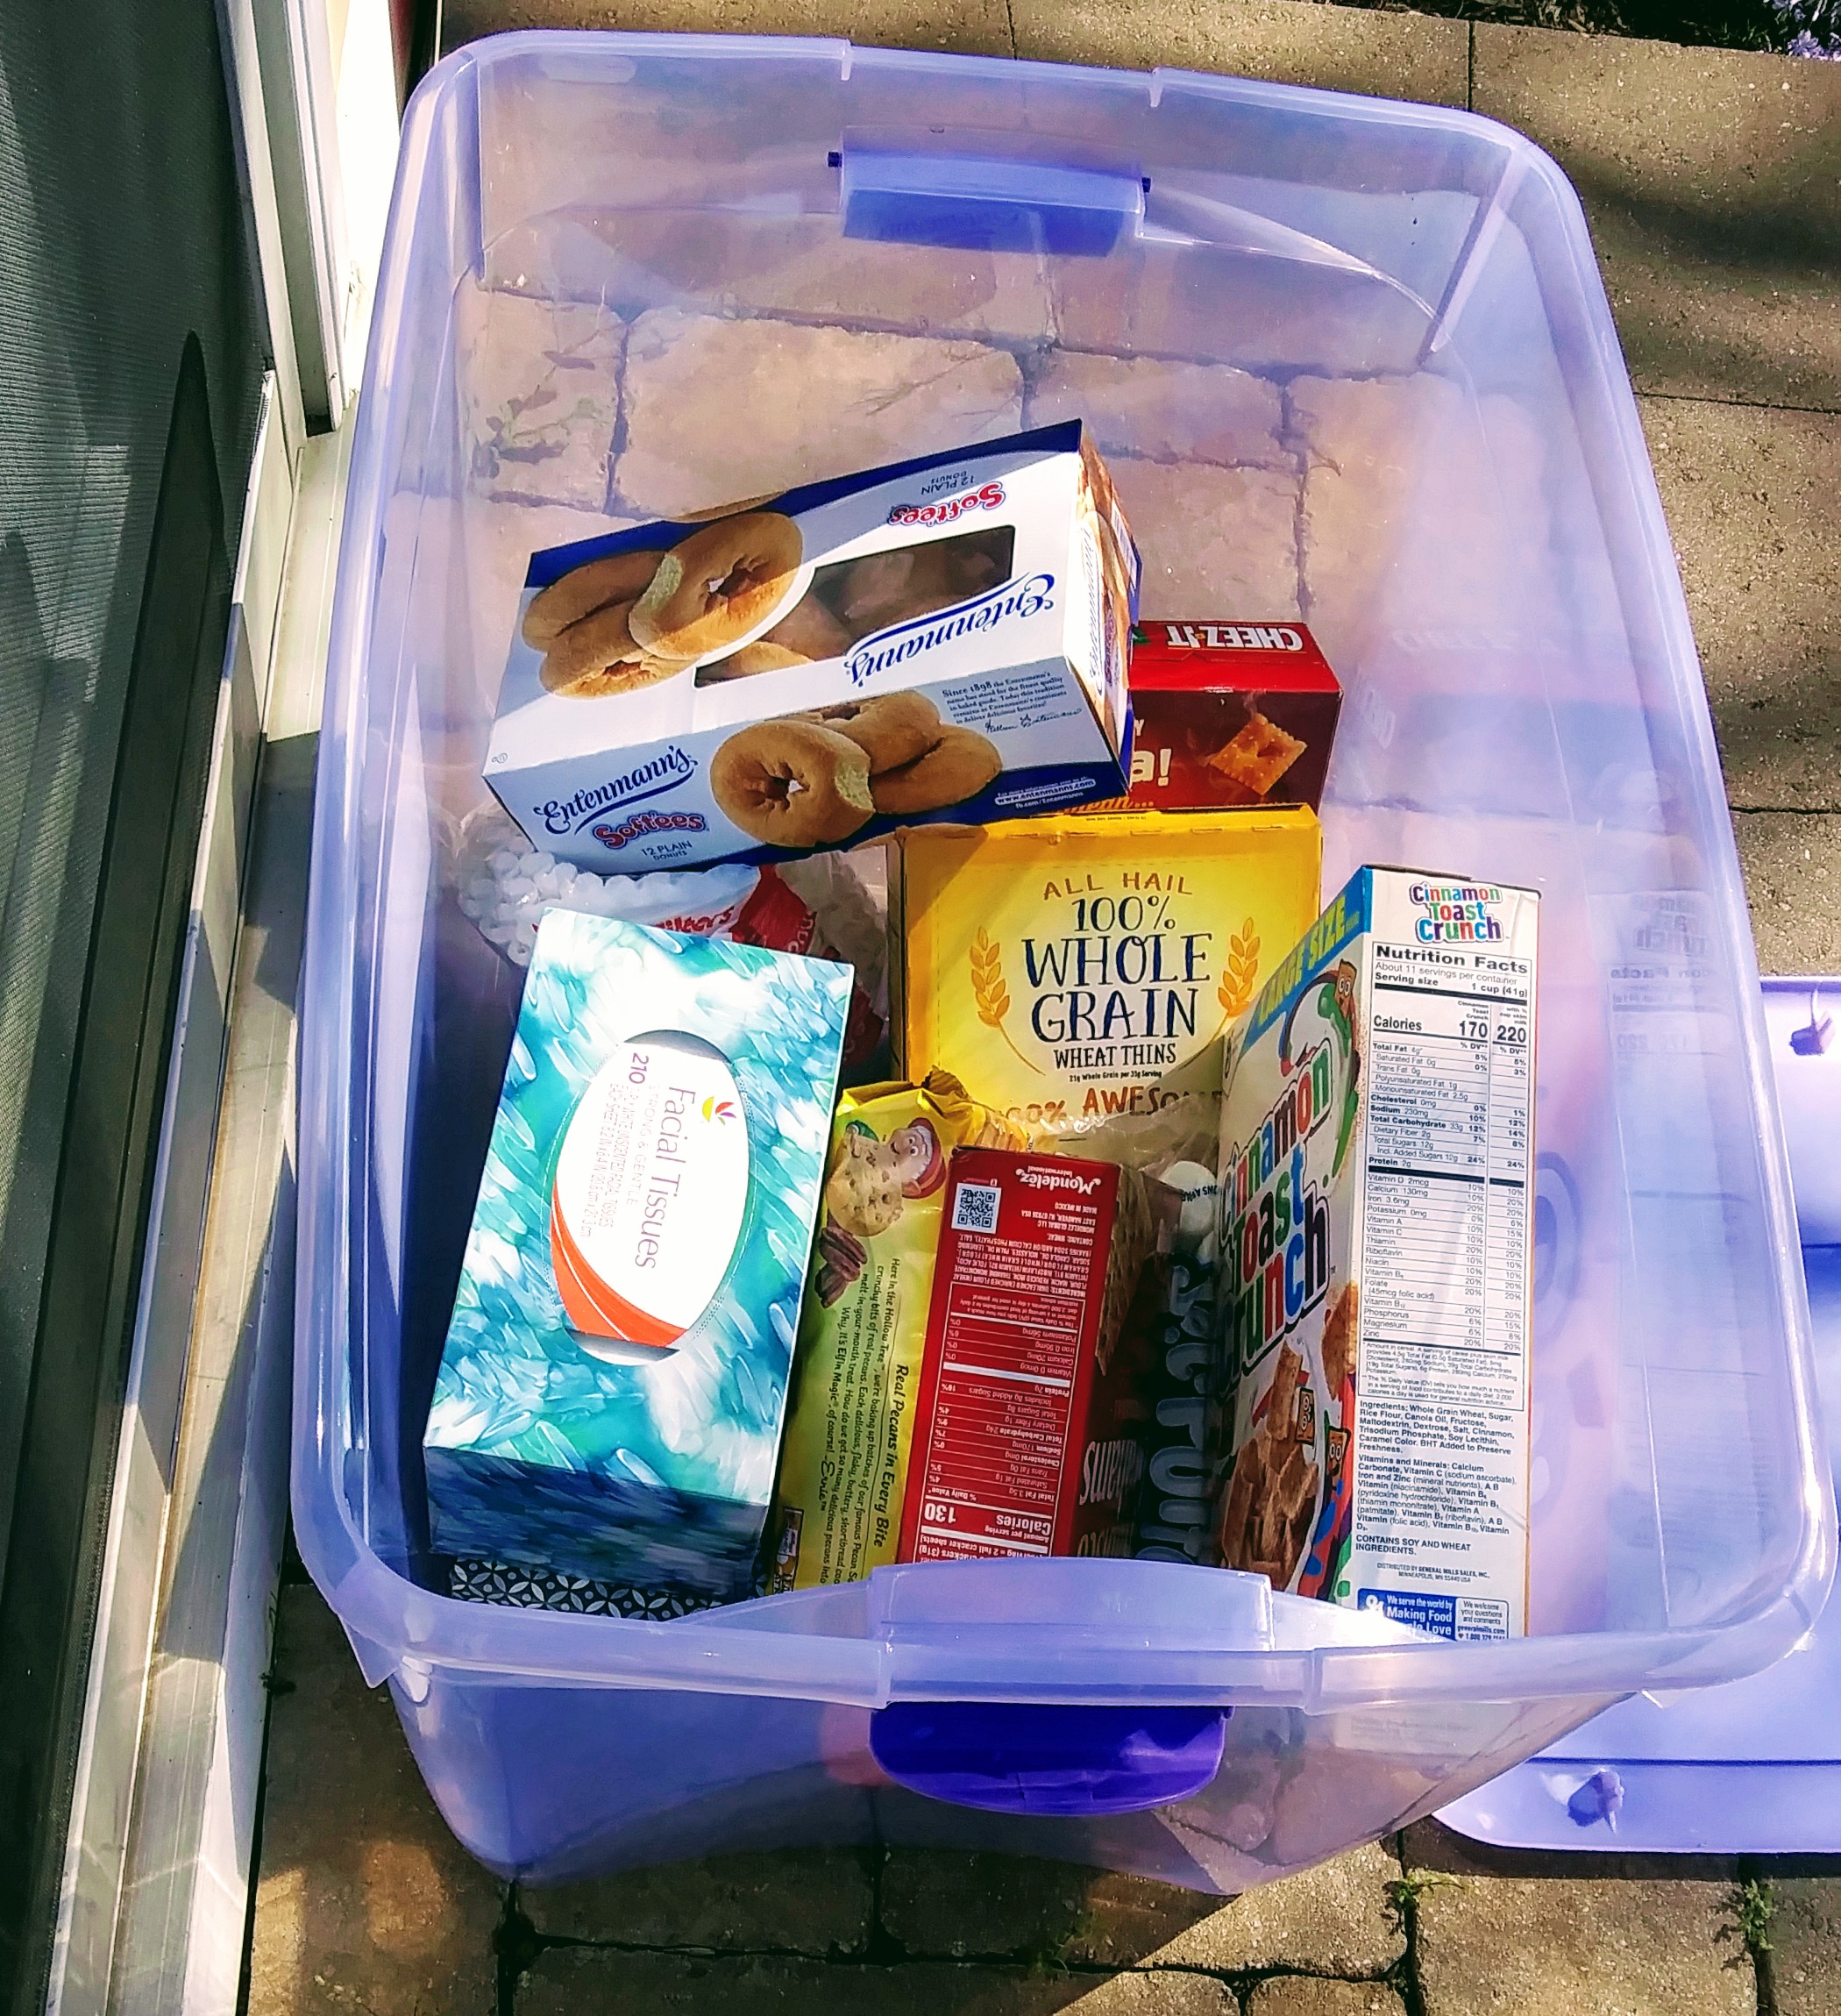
(664, 772)
(884, 648)
(1457, 913)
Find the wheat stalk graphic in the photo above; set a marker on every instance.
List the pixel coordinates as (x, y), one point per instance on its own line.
(1235, 990)
(989, 992)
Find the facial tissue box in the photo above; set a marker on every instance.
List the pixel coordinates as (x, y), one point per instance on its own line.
(613, 1385)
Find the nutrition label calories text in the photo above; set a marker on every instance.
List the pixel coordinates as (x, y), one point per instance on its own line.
(1450, 1092)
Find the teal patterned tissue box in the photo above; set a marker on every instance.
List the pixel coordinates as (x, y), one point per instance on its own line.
(613, 1381)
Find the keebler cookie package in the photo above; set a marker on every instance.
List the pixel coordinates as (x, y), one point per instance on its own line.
(1230, 714)
(843, 1471)
(1061, 967)
(1377, 1258)
(944, 638)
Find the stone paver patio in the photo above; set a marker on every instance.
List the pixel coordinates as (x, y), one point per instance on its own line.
(1713, 183)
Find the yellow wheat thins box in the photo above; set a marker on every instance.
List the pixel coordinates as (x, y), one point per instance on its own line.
(1059, 967)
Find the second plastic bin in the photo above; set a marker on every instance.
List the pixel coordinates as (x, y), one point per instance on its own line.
(1348, 359)
(1753, 1768)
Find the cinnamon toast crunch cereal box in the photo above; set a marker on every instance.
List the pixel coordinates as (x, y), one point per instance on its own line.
(1062, 965)
(1376, 1257)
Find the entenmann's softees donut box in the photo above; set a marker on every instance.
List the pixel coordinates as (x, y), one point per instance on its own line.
(944, 638)
(611, 1393)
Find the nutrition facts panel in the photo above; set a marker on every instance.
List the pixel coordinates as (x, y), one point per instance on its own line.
(1449, 1087)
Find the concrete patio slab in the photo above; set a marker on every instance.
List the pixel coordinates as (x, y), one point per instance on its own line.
(569, 1980)
(1712, 178)
(1792, 863)
(1580, 1946)
(960, 27)
(1332, 1919)
(1755, 511)
(1293, 1995)
(816, 1901)
(1402, 55)
(1805, 1938)
(365, 1900)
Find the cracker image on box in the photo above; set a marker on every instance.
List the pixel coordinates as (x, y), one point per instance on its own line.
(945, 636)
(1230, 714)
(1061, 967)
(611, 1391)
(1377, 1256)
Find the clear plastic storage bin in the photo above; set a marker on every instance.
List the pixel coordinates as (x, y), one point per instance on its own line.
(1348, 359)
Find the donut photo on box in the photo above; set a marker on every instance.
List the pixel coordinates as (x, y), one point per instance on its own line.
(941, 639)
(849, 600)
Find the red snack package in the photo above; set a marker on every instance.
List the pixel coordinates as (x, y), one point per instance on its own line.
(778, 918)
(1020, 1303)
(1230, 714)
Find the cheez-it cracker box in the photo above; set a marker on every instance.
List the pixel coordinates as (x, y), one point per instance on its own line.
(1230, 714)
(1013, 1333)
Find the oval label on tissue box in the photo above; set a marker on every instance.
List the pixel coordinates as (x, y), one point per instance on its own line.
(650, 1189)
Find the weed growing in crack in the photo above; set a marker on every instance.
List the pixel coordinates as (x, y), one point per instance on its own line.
(1754, 1904)
(1401, 1902)
(1754, 1907)
(1403, 1894)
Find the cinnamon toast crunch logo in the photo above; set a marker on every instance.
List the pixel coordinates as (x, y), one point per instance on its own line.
(1457, 913)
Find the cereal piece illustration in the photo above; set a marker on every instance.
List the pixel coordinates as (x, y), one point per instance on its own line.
(1272, 1496)
(871, 1178)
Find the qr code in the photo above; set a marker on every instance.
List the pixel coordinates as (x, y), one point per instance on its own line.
(975, 1209)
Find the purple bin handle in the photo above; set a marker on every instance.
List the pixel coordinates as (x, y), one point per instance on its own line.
(1026, 1757)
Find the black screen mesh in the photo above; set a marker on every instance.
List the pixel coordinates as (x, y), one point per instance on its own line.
(130, 361)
